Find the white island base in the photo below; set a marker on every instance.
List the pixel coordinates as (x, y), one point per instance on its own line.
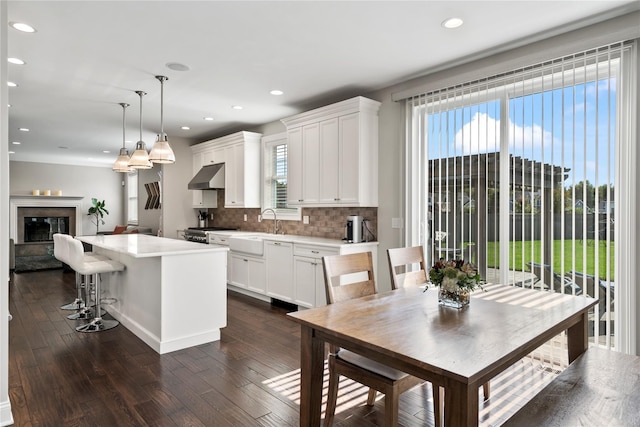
(172, 293)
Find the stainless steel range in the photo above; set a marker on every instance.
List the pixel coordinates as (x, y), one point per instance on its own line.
(199, 234)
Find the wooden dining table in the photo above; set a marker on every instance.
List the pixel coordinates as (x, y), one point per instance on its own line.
(458, 349)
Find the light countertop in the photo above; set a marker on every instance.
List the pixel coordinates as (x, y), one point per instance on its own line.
(142, 245)
(309, 240)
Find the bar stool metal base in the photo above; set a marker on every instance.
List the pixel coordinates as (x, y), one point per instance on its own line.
(97, 325)
(86, 313)
(78, 304)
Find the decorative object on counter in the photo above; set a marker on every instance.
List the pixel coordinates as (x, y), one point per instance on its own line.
(161, 151)
(46, 192)
(456, 279)
(122, 162)
(98, 211)
(153, 195)
(58, 193)
(140, 158)
(202, 217)
(35, 192)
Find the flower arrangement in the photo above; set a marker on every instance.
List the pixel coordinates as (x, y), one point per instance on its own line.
(456, 280)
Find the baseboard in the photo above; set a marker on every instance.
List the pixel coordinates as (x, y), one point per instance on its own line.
(6, 417)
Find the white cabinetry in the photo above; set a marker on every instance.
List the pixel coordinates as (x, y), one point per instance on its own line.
(333, 155)
(309, 288)
(241, 154)
(279, 263)
(247, 272)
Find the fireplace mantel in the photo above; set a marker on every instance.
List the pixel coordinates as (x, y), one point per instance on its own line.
(28, 201)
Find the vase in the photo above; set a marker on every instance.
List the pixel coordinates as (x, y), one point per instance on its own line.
(455, 299)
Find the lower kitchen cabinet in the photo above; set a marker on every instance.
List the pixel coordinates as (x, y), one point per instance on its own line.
(279, 263)
(309, 275)
(247, 272)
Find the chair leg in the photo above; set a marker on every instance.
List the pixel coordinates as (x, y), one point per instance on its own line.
(391, 409)
(438, 404)
(371, 398)
(332, 394)
(78, 303)
(98, 323)
(485, 390)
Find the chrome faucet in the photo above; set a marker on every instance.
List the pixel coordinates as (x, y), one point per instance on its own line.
(275, 219)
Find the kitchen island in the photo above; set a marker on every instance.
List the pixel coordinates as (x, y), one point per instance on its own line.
(172, 293)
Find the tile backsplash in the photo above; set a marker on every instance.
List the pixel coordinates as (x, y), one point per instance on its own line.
(323, 222)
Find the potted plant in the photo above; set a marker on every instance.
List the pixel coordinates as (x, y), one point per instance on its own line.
(98, 211)
(456, 279)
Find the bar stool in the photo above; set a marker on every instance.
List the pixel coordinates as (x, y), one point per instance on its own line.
(80, 263)
(61, 252)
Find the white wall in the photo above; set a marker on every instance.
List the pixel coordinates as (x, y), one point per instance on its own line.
(177, 213)
(85, 181)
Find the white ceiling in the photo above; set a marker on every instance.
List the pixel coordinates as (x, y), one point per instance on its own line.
(88, 56)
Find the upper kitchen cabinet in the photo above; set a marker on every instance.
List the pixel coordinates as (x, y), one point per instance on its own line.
(241, 154)
(333, 155)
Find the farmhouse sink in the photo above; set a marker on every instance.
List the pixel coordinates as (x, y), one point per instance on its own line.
(247, 244)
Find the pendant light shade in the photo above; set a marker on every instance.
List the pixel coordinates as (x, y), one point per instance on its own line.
(122, 162)
(140, 158)
(161, 151)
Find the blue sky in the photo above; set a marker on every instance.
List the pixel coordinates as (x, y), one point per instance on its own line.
(572, 127)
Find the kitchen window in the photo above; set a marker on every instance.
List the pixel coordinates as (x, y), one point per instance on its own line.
(275, 177)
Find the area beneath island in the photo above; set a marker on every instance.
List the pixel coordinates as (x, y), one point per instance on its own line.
(172, 294)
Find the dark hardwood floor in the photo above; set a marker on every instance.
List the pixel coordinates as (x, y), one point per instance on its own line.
(60, 377)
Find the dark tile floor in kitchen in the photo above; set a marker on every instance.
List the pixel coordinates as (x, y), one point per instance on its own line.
(58, 376)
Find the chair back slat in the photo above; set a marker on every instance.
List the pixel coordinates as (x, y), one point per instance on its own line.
(348, 276)
(401, 258)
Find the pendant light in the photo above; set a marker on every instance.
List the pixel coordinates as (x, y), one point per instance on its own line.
(122, 162)
(161, 151)
(140, 157)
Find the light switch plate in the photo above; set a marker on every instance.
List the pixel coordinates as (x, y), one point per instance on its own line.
(396, 222)
(305, 219)
(245, 217)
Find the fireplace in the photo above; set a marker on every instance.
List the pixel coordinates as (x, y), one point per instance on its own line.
(42, 228)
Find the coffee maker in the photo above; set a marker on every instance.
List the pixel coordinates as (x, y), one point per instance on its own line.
(354, 229)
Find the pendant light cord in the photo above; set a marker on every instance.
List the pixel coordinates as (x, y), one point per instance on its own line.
(162, 80)
(124, 108)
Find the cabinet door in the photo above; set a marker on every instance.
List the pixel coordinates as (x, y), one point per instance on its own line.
(305, 280)
(349, 158)
(311, 163)
(257, 282)
(213, 156)
(239, 271)
(294, 167)
(279, 260)
(329, 150)
(234, 176)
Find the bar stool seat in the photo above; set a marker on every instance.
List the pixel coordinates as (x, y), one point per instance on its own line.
(79, 262)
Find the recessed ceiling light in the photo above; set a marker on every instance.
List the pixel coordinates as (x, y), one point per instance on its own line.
(176, 66)
(185, 128)
(12, 84)
(22, 27)
(12, 152)
(16, 61)
(209, 119)
(106, 151)
(452, 23)
(24, 129)
(276, 92)
(16, 143)
(237, 107)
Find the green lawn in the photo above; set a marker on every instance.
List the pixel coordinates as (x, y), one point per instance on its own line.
(523, 252)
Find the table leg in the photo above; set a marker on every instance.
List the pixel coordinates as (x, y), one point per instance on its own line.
(577, 338)
(311, 376)
(460, 404)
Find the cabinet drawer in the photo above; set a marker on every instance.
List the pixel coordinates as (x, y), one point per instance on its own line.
(314, 251)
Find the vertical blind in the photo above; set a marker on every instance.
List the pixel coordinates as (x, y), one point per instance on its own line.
(517, 174)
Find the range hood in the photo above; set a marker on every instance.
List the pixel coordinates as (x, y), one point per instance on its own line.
(210, 177)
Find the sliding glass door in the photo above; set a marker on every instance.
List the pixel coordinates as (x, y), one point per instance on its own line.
(517, 174)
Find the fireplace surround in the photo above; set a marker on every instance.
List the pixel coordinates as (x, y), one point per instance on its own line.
(21, 207)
